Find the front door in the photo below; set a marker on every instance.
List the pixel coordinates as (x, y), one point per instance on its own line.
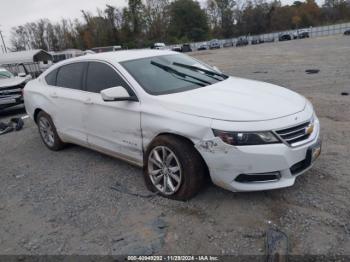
(113, 127)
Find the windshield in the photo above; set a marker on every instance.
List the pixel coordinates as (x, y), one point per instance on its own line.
(5, 74)
(171, 74)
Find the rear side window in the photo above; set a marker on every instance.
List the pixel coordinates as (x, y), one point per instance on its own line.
(70, 76)
(51, 78)
(101, 76)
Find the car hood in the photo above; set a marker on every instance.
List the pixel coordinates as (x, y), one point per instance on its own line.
(8, 82)
(236, 99)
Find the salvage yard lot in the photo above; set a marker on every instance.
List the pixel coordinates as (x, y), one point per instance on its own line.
(77, 201)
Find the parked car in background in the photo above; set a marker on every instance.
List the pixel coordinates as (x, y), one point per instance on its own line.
(300, 34)
(269, 39)
(347, 32)
(158, 46)
(285, 37)
(179, 119)
(228, 43)
(11, 88)
(242, 41)
(203, 47)
(257, 40)
(176, 48)
(186, 48)
(214, 44)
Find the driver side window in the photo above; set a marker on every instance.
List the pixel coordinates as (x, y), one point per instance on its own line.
(101, 76)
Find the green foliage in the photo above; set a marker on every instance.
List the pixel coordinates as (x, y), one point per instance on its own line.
(187, 21)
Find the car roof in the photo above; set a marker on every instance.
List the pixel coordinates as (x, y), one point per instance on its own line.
(112, 57)
(121, 56)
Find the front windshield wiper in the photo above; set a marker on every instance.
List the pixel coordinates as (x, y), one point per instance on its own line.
(169, 69)
(207, 72)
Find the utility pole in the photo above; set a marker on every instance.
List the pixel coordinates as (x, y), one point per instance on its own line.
(3, 42)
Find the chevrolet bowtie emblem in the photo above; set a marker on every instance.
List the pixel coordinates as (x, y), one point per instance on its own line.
(310, 129)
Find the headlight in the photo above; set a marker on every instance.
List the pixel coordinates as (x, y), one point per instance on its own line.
(246, 138)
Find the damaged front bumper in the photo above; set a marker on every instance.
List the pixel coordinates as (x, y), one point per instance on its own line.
(260, 167)
(9, 101)
(11, 95)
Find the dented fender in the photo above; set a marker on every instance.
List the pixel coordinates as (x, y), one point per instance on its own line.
(214, 146)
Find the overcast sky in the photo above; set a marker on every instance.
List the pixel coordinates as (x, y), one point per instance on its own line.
(18, 12)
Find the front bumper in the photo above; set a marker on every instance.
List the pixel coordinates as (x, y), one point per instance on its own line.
(226, 163)
(10, 101)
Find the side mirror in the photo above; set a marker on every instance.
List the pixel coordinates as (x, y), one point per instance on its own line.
(22, 74)
(117, 93)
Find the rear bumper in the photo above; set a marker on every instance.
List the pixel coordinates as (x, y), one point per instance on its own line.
(278, 165)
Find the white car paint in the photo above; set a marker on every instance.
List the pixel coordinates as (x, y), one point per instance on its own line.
(236, 99)
(125, 129)
(14, 81)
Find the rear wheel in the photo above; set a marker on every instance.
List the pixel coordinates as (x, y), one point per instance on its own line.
(48, 132)
(173, 168)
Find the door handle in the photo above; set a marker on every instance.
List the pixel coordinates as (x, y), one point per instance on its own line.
(54, 95)
(88, 101)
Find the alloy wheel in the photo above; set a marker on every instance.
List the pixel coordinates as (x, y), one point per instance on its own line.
(46, 131)
(164, 170)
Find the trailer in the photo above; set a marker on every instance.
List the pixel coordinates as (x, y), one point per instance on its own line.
(66, 54)
(30, 62)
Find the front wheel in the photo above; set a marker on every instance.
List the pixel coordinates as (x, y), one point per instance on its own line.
(173, 168)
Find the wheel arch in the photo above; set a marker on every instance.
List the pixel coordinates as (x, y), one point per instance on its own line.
(183, 138)
(36, 113)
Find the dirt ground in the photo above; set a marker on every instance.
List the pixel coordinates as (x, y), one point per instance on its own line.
(65, 202)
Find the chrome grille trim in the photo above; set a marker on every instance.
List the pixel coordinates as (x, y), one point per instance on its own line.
(294, 134)
(296, 137)
(7, 91)
(285, 134)
(10, 91)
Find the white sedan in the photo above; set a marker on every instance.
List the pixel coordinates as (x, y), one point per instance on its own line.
(179, 119)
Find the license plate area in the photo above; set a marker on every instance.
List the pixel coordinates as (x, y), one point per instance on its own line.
(311, 155)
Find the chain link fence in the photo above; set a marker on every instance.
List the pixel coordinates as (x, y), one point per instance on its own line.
(274, 37)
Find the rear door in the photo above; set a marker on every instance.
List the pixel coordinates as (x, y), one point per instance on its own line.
(114, 126)
(69, 99)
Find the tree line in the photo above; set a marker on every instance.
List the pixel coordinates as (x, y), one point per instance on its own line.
(143, 22)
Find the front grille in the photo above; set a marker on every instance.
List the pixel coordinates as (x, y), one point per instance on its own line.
(11, 90)
(295, 134)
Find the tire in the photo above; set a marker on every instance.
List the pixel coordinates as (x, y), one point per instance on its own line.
(49, 136)
(192, 169)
